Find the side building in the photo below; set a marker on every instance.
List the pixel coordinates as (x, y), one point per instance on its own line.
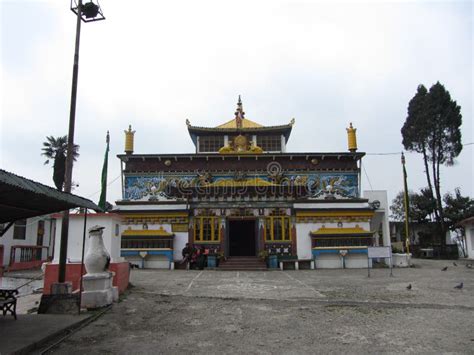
(241, 193)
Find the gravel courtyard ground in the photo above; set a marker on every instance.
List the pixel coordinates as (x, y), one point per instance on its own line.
(291, 312)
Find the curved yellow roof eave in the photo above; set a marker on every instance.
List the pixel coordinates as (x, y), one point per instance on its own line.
(341, 231)
(146, 232)
(233, 183)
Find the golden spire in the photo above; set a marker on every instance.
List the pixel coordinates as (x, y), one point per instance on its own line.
(239, 114)
(351, 138)
(129, 135)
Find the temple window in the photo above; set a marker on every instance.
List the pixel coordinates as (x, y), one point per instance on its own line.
(19, 230)
(206, 229)
(341, 242)
(269, 143)
(146, 243)
(210, 143)
(277, 229)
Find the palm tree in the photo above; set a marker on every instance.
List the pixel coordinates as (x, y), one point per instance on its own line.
(55, 149)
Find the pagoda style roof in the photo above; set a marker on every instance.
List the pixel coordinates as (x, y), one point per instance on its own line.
(239, 124)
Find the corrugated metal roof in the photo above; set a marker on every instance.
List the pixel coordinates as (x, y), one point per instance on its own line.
(23, 198)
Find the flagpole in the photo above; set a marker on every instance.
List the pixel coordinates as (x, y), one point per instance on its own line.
(103, 193)
(406, 203)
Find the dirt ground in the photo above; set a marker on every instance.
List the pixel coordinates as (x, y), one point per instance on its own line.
(291, 312)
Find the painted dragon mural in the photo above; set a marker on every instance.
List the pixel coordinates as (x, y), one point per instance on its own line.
(314, 185)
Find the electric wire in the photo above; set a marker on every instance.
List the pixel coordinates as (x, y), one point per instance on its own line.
(398, 153)
(108, 184)
(367, 176)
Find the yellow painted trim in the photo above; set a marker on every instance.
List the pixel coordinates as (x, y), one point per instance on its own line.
(179, 227)
(215, 235)
(341, 231)
(248, 182)
(146, 232)
(155, 215)
(334, 213)
(271, 238)
(272, 227)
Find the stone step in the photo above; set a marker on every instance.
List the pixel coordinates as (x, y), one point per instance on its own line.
(242, 269)
(242, 263)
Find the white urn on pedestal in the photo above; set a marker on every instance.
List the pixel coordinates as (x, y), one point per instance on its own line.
(98, 288)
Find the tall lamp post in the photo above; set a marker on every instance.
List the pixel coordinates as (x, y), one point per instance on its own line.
(87, 12)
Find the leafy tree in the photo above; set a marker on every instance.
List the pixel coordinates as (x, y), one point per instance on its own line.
(432, 128)
(421, 206)
(55, 149)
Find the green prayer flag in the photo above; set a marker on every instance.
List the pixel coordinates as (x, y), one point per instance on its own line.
(103, 193)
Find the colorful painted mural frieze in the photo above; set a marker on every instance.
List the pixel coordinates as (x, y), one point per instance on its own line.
(311, 186)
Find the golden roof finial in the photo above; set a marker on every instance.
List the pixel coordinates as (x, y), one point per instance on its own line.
(239, 114)
(351, 138)
(129, 135)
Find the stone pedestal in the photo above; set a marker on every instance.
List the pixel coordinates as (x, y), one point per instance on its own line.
(98, 290)
(61, 300)
(61, 288)
(97, 283)
(401, 260)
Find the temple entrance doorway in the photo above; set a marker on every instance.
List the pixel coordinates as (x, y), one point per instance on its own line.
(242, 238)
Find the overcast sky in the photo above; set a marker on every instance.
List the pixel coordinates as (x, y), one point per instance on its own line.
(154, 64)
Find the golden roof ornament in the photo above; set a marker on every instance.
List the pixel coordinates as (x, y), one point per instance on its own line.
(351, 138)
(241, 145)
(239, 114)
(129, 137)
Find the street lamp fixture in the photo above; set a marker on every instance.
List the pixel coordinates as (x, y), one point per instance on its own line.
(91, 10)
(87, 12)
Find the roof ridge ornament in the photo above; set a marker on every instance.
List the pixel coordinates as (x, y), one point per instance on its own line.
(351, 138)
(239, 114)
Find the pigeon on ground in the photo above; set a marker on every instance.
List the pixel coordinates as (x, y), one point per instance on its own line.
(459, 286)
(455, 264)
(409, 287)
(444, 269)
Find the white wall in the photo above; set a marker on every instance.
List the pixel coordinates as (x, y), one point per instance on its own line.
(76, 232)
(303, 240)
(303, 230)
(381, 214)
(180, 240)
(470, 240)
(30, 239)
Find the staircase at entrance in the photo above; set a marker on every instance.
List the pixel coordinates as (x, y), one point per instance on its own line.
(242, 263)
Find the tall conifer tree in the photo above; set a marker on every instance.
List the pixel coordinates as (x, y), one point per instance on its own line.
(433, 128)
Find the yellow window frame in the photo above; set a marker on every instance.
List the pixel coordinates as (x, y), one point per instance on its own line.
(200, 221)
(285, 225)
